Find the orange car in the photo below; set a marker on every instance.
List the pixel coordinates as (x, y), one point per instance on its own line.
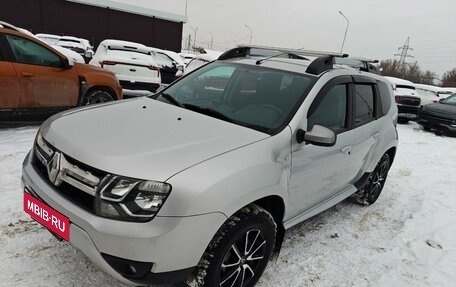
(37, 80)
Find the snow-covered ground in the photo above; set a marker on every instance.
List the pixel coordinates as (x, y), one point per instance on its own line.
(407, 238)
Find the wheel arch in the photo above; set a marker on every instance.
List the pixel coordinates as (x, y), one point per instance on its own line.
(391, 153)
(275, 205)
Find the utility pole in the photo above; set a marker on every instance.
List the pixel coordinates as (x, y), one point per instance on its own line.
(189, 42)
(404, 52)
(212, 39)
(194, 39)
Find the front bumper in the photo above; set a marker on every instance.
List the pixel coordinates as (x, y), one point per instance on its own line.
(173, 246)
(407, 111)
(433, 124)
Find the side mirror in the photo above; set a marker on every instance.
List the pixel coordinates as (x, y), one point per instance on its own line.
(441, 100)
(318, 135)
(179, 74)
(88, 54)
(67, 63)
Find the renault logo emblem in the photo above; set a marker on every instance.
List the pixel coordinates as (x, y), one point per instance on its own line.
(54, 169)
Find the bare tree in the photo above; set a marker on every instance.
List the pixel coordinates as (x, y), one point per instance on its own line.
(449, 78)
(407, 71)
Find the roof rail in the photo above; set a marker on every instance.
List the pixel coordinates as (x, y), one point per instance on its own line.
(362, 64)
(324, 61)
(9, 26)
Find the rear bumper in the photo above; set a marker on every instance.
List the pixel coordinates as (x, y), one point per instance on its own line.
(163, 251)
(144, 86)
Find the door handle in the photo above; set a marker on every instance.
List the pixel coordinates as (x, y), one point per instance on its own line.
(346, 150)
(27, 75)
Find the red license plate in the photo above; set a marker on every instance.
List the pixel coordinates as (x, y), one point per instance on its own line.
(56, 222)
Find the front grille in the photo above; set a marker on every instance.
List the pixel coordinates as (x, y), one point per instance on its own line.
(72, 179)
(139, 86)
(435, 120)
(408, 110)
(411, 101)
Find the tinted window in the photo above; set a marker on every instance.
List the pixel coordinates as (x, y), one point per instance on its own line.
(28, 52)
(332, 110)
(364, 104)
(385, 98)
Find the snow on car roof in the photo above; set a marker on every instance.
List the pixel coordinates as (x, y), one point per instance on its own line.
(399, 81)
(39, 35)
(431, 88)
(70, 38)
(125, 45)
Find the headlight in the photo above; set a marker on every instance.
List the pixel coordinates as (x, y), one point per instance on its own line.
(131, 199)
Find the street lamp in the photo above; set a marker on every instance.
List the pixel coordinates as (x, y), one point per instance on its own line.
(251, 33)
(346, 30)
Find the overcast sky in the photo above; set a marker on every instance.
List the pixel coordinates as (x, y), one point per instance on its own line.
(377, 27)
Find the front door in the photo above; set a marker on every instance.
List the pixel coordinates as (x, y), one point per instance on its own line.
(43, 83)
(319, 172)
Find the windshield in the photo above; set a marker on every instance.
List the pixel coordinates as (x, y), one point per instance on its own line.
(451, 100)
(253, 96)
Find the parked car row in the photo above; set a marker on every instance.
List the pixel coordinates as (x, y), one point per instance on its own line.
(37, 80)
(433, 107)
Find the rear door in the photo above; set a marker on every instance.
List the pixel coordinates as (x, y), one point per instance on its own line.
(43, 83)
(365, 105)
(9, 86)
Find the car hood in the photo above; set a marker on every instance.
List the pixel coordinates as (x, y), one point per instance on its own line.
(444, 109)
(143, 138)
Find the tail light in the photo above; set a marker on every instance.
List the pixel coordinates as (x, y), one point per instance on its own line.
(153, 68)
(107, 63)
(398, 98)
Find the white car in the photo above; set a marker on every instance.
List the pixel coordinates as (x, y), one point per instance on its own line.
(69, 53)
(431, 94)
(198, 61)
(133, 64)
(49, 39)
(169, 62)
(407, 99)
(186, 57)
(79, 45)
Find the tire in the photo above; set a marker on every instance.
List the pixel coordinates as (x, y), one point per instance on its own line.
(96, 96)
(426, 128)
(239, 251)
(402, 121)
(370, 192)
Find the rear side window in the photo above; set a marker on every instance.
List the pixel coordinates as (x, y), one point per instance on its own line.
(28, 52)
(385, 98)
(332, 110)
(364, 104)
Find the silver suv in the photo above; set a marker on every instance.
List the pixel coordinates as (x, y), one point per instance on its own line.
(200, 181)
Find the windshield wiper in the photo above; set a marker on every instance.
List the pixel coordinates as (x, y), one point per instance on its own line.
(209, 112)
(172, 100)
